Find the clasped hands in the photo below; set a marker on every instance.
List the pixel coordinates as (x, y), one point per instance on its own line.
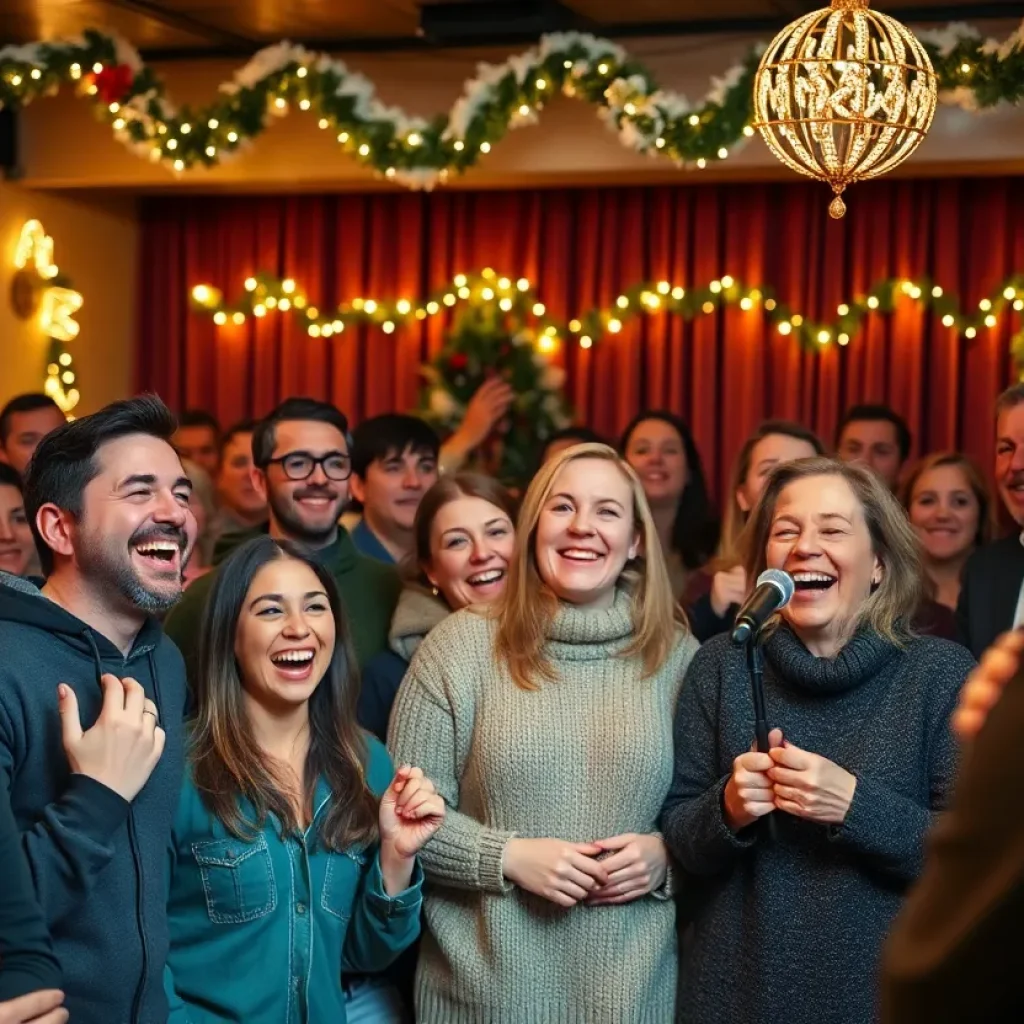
(788, 779)
(602, 873)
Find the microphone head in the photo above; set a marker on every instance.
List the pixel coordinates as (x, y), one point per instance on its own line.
(782, 581)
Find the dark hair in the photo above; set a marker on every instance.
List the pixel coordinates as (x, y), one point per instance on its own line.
(227, 764)
(65, 460)
(241, 427)
(264, 437)
(696, 527)
(447, 489)
(382, 437)
(10, 477)
(877, 414)
(31, 402)
(583, 435)
(199, 418)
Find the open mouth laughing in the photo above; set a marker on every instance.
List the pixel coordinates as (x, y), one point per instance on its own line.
(813, 582)
(295, 664)
(163, 554)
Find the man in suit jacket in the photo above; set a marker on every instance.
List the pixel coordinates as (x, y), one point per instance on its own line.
(991, 596)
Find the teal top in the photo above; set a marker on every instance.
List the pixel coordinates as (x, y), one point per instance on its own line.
(261, 931)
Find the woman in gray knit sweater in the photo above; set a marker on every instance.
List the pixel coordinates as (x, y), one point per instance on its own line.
(789, 926)
(547, 725)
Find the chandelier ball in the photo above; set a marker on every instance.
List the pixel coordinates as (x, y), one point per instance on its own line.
(844, 94)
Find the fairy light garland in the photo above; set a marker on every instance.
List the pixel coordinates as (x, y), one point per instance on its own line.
(265, 294)
(972, 72)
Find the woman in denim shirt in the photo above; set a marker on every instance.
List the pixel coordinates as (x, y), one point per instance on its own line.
(294, 851)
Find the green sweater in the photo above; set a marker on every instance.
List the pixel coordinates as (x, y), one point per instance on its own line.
(369, 591)
(586, 757)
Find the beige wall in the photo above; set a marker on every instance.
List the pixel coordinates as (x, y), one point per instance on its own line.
(63, 146)
(95, 244)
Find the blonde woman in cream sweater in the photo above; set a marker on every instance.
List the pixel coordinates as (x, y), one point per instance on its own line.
(546, 724)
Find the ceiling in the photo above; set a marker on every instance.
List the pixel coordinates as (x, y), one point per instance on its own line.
(174, 29)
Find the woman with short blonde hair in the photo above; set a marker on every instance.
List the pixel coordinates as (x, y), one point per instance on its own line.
(546, 723)
(861, 759)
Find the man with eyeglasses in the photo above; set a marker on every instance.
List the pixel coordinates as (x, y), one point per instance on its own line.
(302, 465)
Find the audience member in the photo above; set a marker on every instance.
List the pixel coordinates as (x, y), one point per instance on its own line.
(773, 443)
(17, 548)
(545, 722)
(463, 535)
(861, 759)
(660, 447)
(950, 508)
(198, 439)
(286, 795)
(203, 503)
(302, 469)
(876, 436)
(569, 438)
(24, 422)
(242, 506)
(394, 463)
(992, 590)
(108, 503)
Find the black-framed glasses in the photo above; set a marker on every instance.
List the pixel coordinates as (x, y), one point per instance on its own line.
(301, 465)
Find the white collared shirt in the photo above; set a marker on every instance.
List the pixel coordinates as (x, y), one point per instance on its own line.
(1018, 615)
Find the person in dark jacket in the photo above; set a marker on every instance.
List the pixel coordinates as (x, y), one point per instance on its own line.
(463, 535)
(29, 972)
(108, 503)
(788, 919)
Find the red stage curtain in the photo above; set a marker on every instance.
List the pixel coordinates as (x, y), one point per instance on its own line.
(723, 373)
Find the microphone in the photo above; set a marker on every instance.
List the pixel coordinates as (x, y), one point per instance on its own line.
(773, 591)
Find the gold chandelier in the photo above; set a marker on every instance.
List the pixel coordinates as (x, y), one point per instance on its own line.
(843, 94)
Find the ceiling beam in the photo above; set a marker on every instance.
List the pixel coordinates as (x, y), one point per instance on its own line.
(226, 44)
(186, 23)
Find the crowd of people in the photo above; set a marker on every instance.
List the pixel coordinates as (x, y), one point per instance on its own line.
(300, 723)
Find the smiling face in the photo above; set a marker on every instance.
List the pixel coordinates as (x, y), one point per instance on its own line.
(305, 510)
(471, 543)
(768, 453)
(819, 535)
(655, 450)
(16, 543)
(136, 530)
(944, 512)
(285, 636)
(586, 532)
(234, 480)
(393, 488)
(1009, 470)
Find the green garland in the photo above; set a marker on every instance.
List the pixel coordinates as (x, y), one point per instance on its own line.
(972, 72)
(505, 296)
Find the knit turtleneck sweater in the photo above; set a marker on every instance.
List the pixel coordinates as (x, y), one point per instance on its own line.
(791, 928)
(586, 756)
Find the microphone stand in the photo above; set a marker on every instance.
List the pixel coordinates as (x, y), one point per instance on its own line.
(755, 668)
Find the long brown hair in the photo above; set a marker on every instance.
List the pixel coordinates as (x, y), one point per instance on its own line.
(730, 553)
(445, 490)
(528, 606)
(976, 482)
(891, 606)
(229, 767)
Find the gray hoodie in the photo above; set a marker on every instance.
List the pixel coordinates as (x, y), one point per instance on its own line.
(98, 863)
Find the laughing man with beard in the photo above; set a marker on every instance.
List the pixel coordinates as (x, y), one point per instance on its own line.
(992, 592)
(91, 701)
(302, 466)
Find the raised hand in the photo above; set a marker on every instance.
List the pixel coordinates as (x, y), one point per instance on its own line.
(985, 684)
(748, 794)
(810, 786)
(44, 1007)
(488, 405)
(562, 872)
(728, 587)
(123, 746)
(637, 866)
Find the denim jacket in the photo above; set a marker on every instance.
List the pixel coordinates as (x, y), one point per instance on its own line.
(261, 931)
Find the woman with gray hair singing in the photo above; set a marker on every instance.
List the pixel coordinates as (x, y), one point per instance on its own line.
(788, 922)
